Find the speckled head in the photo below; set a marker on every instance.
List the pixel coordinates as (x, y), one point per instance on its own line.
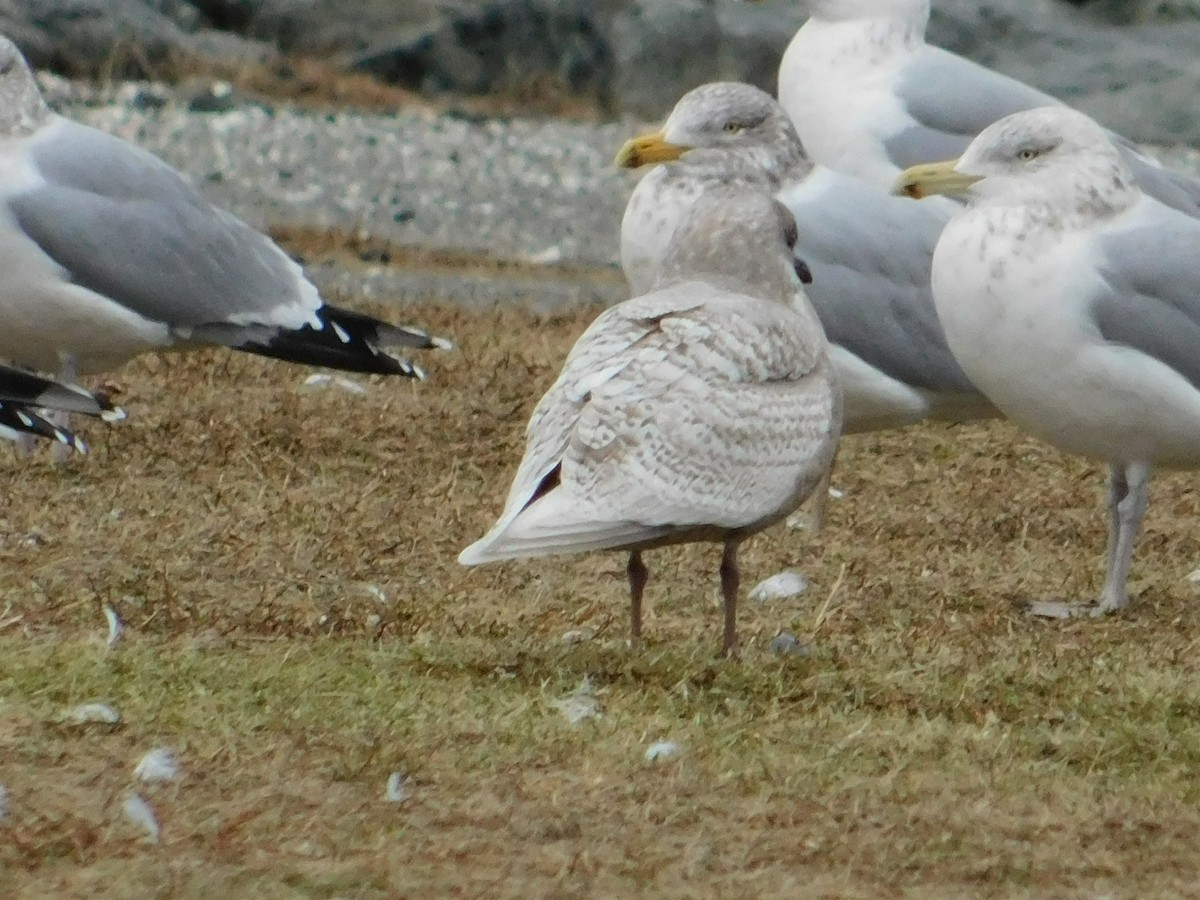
(1053, 154)
(22, 108)
(740, 239)
(737, 121)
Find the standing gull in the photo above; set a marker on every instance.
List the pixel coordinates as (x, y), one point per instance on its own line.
(1073, 300)
(109, 253)
(869, 252)
(704, 410)
(870, 97)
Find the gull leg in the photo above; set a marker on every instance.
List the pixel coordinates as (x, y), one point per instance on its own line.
(636, 570)
(813, 515)
(730, 579)
(25, 445)
(820, 500)
(1128, 496)
(60, 453)
(1126, 515)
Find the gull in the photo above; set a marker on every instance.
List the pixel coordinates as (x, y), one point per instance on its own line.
(870, 97)
(109, 253)
(1072, 299)
(705, 409)
(868, 252)
(24, 395)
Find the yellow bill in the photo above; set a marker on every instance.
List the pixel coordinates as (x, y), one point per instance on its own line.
(648, 149)
(929, 179)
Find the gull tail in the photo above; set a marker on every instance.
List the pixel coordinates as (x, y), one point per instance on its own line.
(552, 524)
(345, 340)
(17, 419)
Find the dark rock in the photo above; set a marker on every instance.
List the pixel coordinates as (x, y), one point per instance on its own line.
(216, 97)
(83, 37)
(494, 46)
(753, 38)
(662, 50)
(1139, 80)
(1119, 61)
(117, 38)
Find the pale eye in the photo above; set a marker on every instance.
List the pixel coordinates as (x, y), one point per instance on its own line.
(1027, 154)
(731, 127)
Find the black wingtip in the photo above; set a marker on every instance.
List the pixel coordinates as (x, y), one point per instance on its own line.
(345, 340)
(24, 420)
(26, 389)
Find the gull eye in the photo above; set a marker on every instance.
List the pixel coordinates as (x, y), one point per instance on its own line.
(731, 127)
(1026, 154)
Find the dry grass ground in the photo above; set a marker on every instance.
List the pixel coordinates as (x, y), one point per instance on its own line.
(299, 629)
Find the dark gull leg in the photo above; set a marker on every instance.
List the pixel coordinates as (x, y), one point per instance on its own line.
(636, 570)
(730, 579)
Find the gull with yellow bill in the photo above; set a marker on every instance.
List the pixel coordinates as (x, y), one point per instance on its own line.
(1072, 299)
(868, 252)
(703, 410)
(869, 97)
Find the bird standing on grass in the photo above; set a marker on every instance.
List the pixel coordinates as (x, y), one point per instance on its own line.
(704, 410)
(109, 253)
(870, 97)
(1072, 299)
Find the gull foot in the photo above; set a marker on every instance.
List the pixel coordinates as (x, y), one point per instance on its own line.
(1056, 609)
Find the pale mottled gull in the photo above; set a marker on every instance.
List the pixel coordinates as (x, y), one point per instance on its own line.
(24, 396)
(704, 410)
(1073, 300)
(109, 253)
(870, 97)
(869, 252)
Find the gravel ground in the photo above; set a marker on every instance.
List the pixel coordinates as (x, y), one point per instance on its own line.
(540, 193)
(539, 198)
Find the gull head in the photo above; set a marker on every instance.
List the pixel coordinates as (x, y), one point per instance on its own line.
(740, 239)
(22, 108)
(724, 123)
(1049, 157)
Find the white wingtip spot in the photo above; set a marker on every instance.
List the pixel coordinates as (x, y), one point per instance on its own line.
(25, 418)
(116, 414)
(341, 332)
(442, 343)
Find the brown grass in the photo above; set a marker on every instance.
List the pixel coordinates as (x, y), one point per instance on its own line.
(935, 742)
